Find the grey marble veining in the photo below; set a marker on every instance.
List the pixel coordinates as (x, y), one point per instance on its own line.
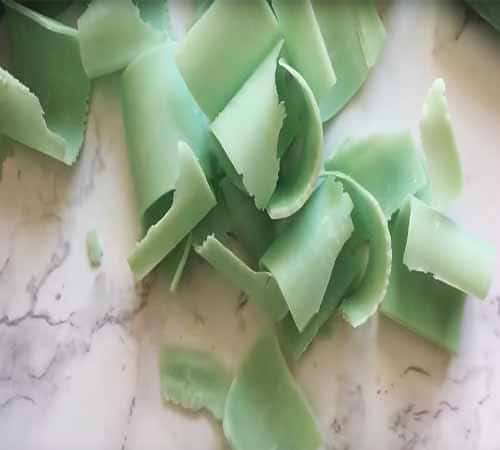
(79, 346)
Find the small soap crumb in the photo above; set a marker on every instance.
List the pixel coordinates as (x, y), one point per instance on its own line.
(94, 249)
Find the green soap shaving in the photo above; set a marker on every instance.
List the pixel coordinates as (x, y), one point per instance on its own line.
(261, 287)
(301, 166)
(94, 248)
(305, 47)
(419, 302)
(43, 107)
(437, 245)
(488, 10)
(370, 223)
(387, 165)
(265, 408)
(175, 262)
(112, 34)
(443, 159)
(159, 111)
(192, 200)
(223, 48)
(194, 379)
(155, 13)
(354, 37)
(252, 148)
(302, 257)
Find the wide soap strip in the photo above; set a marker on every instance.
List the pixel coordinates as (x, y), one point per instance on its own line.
(301, 165)
(301, 258)
(265, 408)
(259, 286)
(159, 111)
(304, 44)
(348, 29)
(443, 159)
(194, 379)
(223, 48)
(192, 200)
(387, 165)
(248, 130)
(54, 121)
(112, 34)
(419, 302)
(437, 245)
(370, 224)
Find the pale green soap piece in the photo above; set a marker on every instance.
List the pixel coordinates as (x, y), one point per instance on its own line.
(443, 159)
(94, 248)
(158, 112)
(439, 246)
(419, 302)
(193, 199)
(248, 130)
(155, 13)
(177, 261)
(265, 408)
(194, 379)
(223, 49)
(301, 166)
(371, 225)
(301, 258)
(49, 115)
(112, 34)
(304, 44)
(371, 30)
(261, 287)
(387, 165)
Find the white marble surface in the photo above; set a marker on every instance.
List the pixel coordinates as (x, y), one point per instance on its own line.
(79, 347)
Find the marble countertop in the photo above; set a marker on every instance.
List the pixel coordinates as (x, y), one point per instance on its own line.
(79, 346)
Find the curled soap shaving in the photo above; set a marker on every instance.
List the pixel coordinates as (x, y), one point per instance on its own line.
(387, 165)
(436, 245)
(194, 379)
(419, 302)
(302, 257)
(112, 34)
(443, 159)
(265, 408)
(370, 223)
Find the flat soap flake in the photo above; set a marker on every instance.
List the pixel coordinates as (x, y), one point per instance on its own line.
(443, 159)
(370, 223)
(302, 257)
(94, 248)
(223, 48)
(43, 106)
(387, 165)
(265, 408)
(193, 199)
(301, 166)
(261, 287)
(248, 130)
(194, 379)
(418, 301)
(438, 246)
(112, 34)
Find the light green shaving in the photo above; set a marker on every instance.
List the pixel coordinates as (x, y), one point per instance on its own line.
(443, 160)
(387, 165)
(437, 245)
(46, 109)
(192, 200)
(261, 287)
(417, 301)
(301, 259)
(265, 408)
(194, 380)
(155, 13)
(370, 224)
(305, 47)
(112, 34)
(301, 166)
(94, 248)
(371, 30)
(222, 50)
(181, 261)
(158, 111)
(248, 130)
